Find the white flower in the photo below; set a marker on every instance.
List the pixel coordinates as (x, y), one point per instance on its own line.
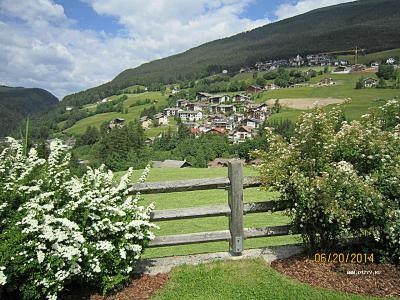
(122, 253)
(3, 277)
(40, 256)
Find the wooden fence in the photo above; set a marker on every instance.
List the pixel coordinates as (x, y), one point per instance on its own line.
(234, 209)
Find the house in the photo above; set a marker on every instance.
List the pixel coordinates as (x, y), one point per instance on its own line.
(338, 63)
(160, 119)
(116, 123)
(241, 134)
(390, 61)
(341, 70)
(171, 111)
(326, 81)
(375, 64)
(181, 103)
(358, 68)
(237, 118)
(146, 122)
(195, 131)
(254, 89)
(218, 99)
(174, 91)
(258, 115)
(220, 131)
(222, 108)
(194, 106)
(250, 123)
(68, 108)
(370, 82)
(149, 141)
(218, 163)
(240, 98)
(169, 163)
(201, 96)
(223, 124)
(262, 107)
(271, 86)
(190, 115)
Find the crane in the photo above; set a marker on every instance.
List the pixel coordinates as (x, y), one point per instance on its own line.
(355, 51)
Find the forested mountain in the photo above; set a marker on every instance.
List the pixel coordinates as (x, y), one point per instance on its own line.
(369, 24)
(17, 102)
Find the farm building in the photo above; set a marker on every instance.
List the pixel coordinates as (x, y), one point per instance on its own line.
(116, 123)
(254, 89)
(218, 163)
(326, 81)
(145, 121)
(370, 82)
(160, 119)
(169, 163)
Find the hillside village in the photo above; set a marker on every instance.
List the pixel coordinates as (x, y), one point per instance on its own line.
(238, 116)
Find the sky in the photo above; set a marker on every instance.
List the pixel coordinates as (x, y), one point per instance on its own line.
(66, 46)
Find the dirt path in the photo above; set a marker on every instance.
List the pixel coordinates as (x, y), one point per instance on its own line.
(306, 103)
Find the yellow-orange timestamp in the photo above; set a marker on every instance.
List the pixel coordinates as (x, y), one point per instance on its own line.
(353, 258)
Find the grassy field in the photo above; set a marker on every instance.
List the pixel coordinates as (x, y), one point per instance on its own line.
(133, 112)
(245, 279)
(361, 100)
(155, 131)
(204, 198)
(377, 56)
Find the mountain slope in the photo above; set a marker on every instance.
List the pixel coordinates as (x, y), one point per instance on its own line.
(17, 102)
(370, 24)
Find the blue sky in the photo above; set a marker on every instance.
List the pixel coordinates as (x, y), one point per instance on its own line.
(66, 46)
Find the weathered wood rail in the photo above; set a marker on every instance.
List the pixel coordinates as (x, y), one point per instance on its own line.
(235, 209)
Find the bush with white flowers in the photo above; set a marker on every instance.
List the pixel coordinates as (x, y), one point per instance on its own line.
(57, 229)
(343, 179)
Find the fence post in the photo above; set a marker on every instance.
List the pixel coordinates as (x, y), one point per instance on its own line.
(235, 200)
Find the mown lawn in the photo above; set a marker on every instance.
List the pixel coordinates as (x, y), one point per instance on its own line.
(205, 198)
(245, 279)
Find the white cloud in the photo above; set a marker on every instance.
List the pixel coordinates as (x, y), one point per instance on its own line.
(40, 46)
(288, 10)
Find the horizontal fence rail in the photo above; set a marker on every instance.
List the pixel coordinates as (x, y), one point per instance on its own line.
(235, 209)
(215, 236)
(189, 185)
(216, 210)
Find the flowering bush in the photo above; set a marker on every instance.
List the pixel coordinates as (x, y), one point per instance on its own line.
(57, 229)
(343, 179)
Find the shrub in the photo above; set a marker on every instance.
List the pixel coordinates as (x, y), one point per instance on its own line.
(342, 179)
(57, 229)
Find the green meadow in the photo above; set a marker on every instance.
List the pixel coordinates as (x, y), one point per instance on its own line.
(371, 57)
(133, 112)
(205, 198)
(244, 279)
(360, 100)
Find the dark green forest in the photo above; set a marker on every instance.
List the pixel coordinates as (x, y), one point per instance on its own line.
(17, 103)
(369, 24)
